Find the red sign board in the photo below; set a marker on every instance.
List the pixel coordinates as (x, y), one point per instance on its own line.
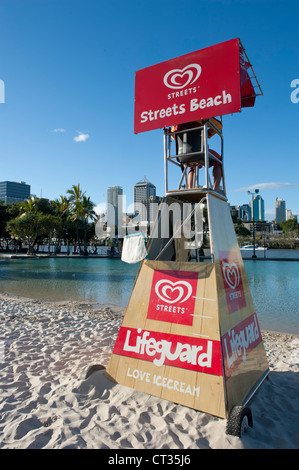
(173, 297)
(195, 86)
(238, 342)
(197, 354)
(232, 281)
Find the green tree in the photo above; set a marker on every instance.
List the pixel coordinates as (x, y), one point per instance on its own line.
(35, 221)
(75, 200)
(30, 206)
(81, 211)
(28, 227)
(4, 217)
(8, 212)
(61, 219)
(75, 195)
(241, 230)
(290, 225)
(87, 213)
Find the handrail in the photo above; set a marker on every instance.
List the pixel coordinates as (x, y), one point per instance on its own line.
(169, 136)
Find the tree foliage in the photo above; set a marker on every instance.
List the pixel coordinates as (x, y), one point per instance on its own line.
(290, 225)
(31, 222)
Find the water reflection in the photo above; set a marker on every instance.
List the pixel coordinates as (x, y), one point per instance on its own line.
(90, 280)
(274, 287)
(274, 284)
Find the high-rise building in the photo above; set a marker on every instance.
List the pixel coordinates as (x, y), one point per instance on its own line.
(245, 212)
(290, 215)
(149, 209)
(143, 191)
(257, 208)
(114, 205)
(280, 210)
(11, 191)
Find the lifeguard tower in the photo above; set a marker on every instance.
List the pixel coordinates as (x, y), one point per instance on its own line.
(190, 333)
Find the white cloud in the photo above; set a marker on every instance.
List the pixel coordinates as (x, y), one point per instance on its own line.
(100, 208)
(267, 186)
(59, 130)
(81, 137)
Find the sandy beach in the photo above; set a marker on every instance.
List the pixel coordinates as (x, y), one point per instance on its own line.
(47, 402)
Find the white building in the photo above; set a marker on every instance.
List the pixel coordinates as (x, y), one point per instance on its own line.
(114, 205)
(280, 210)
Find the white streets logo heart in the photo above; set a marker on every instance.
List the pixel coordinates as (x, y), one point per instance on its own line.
(173, 296)
(180, 78)
(171, 292)
(232, 281)
(231, 274)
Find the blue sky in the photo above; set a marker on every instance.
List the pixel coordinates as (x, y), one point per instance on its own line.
(69, 68)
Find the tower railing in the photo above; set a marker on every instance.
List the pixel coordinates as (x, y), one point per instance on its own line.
(204, 158)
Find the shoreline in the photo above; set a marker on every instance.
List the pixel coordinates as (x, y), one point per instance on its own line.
(58, 256)
(93, 308)
(49, 401)
(118, 256)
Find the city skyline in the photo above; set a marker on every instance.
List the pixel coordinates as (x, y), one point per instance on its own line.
(142, 195)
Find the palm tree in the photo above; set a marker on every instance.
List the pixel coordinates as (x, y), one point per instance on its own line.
(61, 208)
(62, 205)
(76, 195)
(75, 200)
(87, 213)
(81, 211)
(30, 206)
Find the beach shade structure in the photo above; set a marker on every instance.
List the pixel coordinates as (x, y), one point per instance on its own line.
(190, 333)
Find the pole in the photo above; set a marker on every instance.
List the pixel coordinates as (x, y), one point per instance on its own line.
(253, 228)
(253, 222)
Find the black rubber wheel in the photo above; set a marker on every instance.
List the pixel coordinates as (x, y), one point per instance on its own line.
(239, 419)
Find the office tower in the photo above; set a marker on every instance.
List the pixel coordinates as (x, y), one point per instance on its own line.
(11, 191)
(114, 205)
(245, 212)
(257, 208)
(234, 210)
(280, 210)
(143, 191)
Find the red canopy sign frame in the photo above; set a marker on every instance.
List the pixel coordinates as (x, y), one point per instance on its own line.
(210, 82)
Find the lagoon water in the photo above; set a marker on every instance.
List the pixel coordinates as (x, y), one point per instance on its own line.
(274, 284)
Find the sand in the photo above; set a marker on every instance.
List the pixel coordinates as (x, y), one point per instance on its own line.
(47, 402)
